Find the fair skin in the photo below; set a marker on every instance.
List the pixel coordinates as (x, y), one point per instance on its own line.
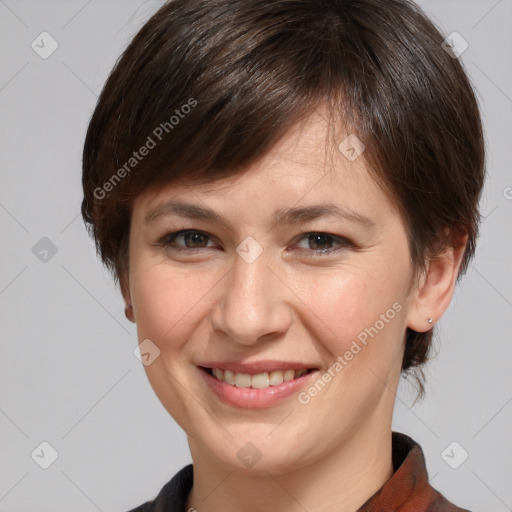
(291, 305)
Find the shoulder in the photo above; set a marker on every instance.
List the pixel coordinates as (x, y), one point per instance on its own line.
(173, 495)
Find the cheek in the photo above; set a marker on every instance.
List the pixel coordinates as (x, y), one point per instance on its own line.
(352, 303)
(165, 301)
(359, 319)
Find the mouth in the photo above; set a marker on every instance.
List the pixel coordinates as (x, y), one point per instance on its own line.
(254, 385)
(261, 380)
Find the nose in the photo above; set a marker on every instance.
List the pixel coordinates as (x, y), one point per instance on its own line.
(252, 305)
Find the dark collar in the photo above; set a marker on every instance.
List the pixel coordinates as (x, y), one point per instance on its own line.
(408, 488)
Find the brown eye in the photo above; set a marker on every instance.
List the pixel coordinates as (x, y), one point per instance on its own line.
(319, 241)
(194, 240)
(322, 243)
(185, 239)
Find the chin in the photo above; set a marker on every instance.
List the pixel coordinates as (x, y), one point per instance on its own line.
(249, 448)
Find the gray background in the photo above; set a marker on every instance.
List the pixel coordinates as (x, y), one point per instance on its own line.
(68, 375)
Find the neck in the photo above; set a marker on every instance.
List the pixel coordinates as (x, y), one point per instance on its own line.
(343, 481)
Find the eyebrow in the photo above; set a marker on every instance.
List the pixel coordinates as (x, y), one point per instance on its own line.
(282, 216)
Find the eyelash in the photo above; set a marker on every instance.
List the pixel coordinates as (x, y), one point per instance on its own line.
(167, 240)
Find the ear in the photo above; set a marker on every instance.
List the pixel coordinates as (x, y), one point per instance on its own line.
(125, 291)
(434, 291)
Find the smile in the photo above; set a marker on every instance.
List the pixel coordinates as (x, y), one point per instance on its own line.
(257, 381)
(257, 385)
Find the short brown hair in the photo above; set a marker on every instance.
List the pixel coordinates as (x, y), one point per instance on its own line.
(215, 84)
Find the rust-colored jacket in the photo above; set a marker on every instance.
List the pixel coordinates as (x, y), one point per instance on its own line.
(408, 490)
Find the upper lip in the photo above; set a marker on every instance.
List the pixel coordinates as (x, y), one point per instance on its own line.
(257, 367)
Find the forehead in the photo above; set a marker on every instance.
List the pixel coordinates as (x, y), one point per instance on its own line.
(309, 164)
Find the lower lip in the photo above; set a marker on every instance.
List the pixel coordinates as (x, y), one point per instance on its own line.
(252, 398)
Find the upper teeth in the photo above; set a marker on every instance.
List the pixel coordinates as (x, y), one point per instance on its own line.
(260, 380)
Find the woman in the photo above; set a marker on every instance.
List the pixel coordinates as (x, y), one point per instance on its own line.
(287, 192)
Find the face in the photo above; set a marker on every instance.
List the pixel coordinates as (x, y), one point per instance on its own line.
(278, 300)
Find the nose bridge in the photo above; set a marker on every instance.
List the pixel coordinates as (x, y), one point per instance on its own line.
(251, 305)
(248, 288)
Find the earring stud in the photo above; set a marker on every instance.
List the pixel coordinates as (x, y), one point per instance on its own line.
(429, 320)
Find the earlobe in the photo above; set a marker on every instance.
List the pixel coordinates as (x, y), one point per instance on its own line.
(128, 310)
(435, 289)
